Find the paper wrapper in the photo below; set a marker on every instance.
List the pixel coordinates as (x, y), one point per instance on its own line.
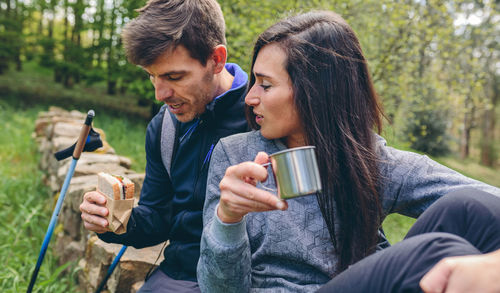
(119, 213)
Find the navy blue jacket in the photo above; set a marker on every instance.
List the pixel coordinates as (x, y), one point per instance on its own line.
(170, 207)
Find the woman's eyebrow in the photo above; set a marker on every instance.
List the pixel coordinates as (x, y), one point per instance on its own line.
(262, 75)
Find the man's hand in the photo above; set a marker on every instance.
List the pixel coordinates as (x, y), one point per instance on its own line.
(94, 212)
(473, 273)
(239, 194)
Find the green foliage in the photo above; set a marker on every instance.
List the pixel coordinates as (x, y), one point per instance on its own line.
(36, 86)
(432, 61)
(25, 208)
(126, 135)
(136, 80)
(396, 226)
(10, 41)
(66, 72)
(47, 57)
(423, 125)
(25, 202)
(426, 132)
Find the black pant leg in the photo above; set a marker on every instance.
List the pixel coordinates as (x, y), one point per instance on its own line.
(469, 213)
(471, 220)
(400, 267)
(159, 282)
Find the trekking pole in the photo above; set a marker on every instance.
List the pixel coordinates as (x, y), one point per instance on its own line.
(111, 268)
(78, 148)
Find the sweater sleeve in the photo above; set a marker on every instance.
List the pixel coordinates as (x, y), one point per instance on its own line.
(150, 221)
(225, 263)
(412, 182)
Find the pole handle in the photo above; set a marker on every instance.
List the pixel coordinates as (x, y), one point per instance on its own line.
(80, 144)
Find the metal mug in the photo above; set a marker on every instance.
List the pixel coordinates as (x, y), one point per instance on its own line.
(295, 172)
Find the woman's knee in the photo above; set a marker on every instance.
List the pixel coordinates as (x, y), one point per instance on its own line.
(468, 200)
(400, 267)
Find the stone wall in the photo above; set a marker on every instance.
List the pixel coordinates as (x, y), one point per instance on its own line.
(55, 130)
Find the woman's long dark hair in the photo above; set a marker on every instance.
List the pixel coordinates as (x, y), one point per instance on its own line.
(339, 110)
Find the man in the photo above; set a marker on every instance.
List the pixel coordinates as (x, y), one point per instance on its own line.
(181, 45)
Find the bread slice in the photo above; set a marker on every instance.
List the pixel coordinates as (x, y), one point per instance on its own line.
(114, 186)
(128, 187)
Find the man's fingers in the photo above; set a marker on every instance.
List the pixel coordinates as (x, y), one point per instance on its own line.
(95, 228)
(93, 209)
(94, 212)
(437, 278)
(94, 223)
(95, 197)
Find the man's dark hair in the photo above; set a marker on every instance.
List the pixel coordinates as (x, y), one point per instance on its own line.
(162, 25)
(339, 109)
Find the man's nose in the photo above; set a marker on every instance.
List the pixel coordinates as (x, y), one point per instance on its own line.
(163, 91)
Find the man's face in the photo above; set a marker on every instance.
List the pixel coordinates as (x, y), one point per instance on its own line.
(182, 83)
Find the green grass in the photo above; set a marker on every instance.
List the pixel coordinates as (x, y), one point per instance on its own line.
(25, 202)
(471, 168)
(126, 136)
(396, 226)
(25, 208)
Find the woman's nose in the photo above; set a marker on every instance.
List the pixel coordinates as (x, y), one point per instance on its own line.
(252, 99)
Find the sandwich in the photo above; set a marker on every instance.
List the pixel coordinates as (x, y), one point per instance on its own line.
(115, 186)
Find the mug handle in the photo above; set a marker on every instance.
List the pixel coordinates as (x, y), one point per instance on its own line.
(259, 183)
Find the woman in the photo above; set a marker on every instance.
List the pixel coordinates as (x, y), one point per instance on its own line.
(310, 86)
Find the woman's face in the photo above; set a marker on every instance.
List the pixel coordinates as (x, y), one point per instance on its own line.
(272, 98)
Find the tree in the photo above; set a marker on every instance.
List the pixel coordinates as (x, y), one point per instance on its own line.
(11, 24)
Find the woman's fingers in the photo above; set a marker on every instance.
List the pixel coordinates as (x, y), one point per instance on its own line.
(234, 181)
(239, 195)
(232, 207)
(248, 197)
(247, 169)
(261, 158)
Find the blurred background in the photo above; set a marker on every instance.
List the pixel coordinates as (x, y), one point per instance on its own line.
(435, 65)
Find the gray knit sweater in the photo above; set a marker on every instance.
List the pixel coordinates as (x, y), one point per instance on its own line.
(291, 251)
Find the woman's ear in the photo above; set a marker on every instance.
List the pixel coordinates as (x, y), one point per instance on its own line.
(219, 56)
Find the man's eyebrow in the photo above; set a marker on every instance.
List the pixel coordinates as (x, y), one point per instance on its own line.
(167, 73)
(173, 73)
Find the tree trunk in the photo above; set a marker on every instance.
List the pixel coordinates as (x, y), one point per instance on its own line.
(467, 127)
(66, 30)
(50, 33)
(18, 16)
(100, 30)
(111, 58)
(78, 9)
(465, 139)
(488, 155)
(40, 24)
(7, 11)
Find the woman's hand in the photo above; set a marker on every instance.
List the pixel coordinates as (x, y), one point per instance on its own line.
(239, 194)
